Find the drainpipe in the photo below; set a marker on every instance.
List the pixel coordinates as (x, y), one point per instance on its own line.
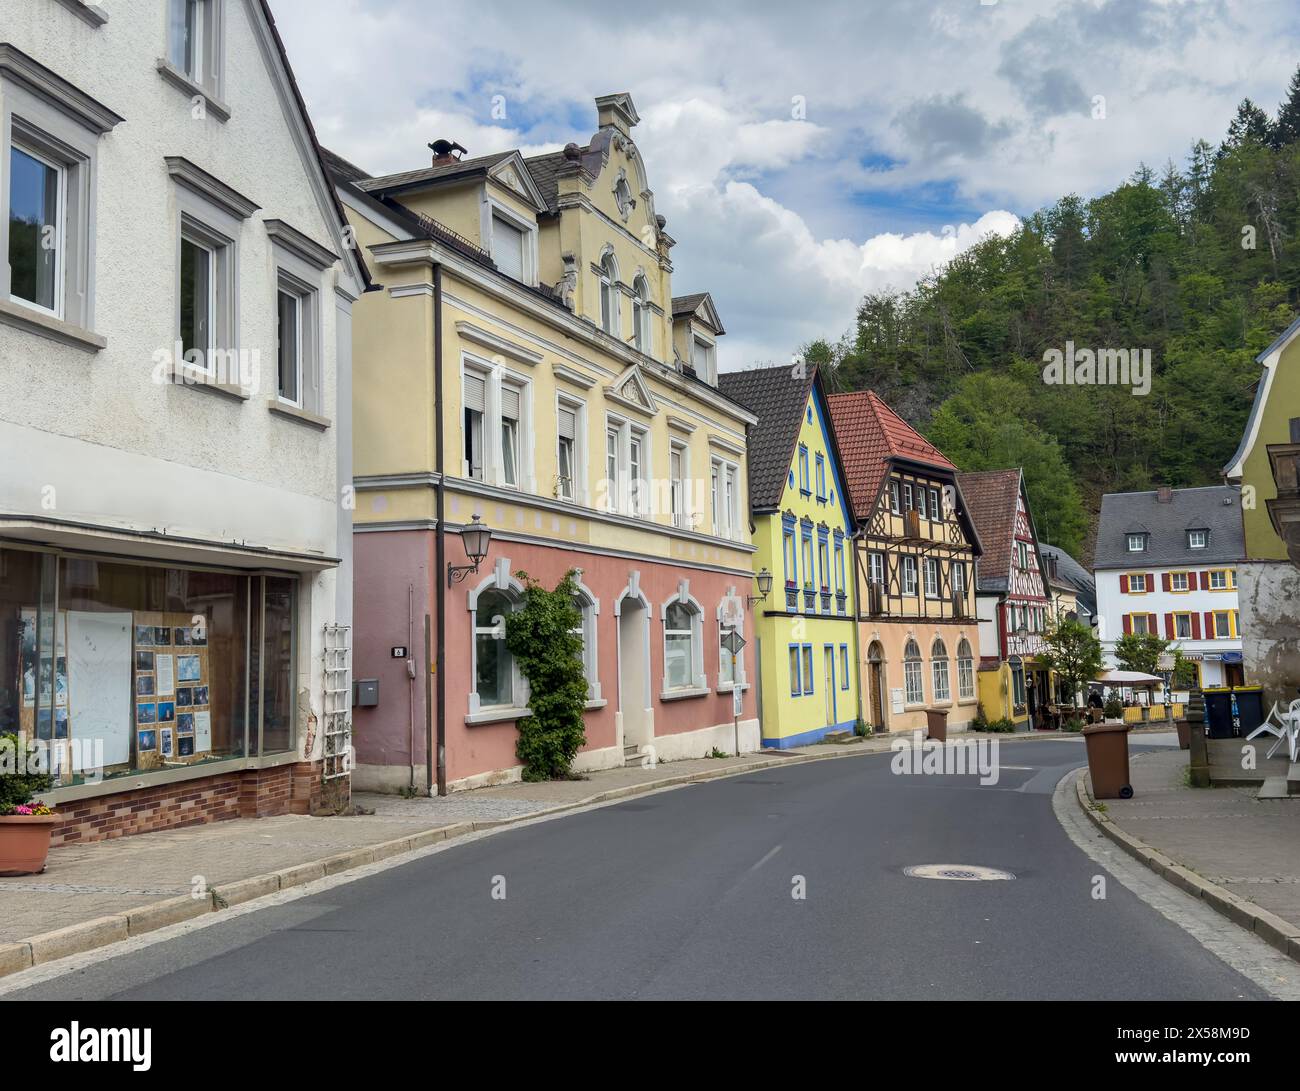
(440, 562)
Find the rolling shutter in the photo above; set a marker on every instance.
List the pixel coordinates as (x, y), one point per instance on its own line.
(508, 248)
(568, 423)
(475, 393)
(509, 403)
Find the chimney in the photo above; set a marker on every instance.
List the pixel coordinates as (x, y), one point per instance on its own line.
(616, 111)
(1164, 495)
(445, 151)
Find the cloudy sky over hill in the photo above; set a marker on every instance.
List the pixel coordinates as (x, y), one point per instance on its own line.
(804, 153)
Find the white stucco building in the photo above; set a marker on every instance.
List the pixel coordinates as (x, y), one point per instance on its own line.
(175, 420)
(1166, 563)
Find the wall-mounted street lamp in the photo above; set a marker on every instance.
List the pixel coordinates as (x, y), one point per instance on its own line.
(764, 581)
(475, 538)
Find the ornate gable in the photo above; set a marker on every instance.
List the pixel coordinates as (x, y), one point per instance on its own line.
(630, 391)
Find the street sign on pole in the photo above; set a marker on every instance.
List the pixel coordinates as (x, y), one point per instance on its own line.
(733, 641)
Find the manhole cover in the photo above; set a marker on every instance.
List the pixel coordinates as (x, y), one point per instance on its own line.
(962, 873)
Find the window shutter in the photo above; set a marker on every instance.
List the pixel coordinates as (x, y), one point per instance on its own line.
(1169, 626)
(474, 393)
(509, 403)
(508, 248)
(1123, 584)
(1209, 625)
(1164, 581)
(1196, 626)
(568, 423)
(1205, 581)
(1153, 624)
(1128, 624)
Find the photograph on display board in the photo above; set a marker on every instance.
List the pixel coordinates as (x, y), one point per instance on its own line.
(162, 635)
(185, 746)
(144, 634)
(185, 723)
(144, 661)
(146, 714)
(166, 737)
(184, 696)
(60, 723)
(187, 668)
(148, 740)
(144, 685)
(200, 695)
(166, 712)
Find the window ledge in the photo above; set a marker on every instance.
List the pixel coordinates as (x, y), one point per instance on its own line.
(302, 416)
(730, 687)
(180, 80)
(91, 14)
(590, 705)
(187, 375)
(497, 715)
(44, 325)
(684, 694)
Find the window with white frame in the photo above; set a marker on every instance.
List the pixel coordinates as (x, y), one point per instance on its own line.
(1139, 623)
(495, 425)
(1178, 581)
(641, 315)
(912, 681)
(791, 556)
(796, 683)
(844, 666)
(909, 575)
(935, 510)
(839, 566)
(803, 470)
(206, 290)
(1137, 583)
(567, 437)
(678, 475)
(703, 360)
(1222, 626)
(821, 477)
(808, 687)
(939, 671)
(1218, 580)
(725, 484)
(965, 671)
(1198, 539)
(289, 323)
(493, 664)
(627, 464)
(585, 603)
(931, 569)
(682, 652)
(194, 42)
(636, 475)
(609, 295)
(893, 498)
(876, 568)
(824, 563)
(729, 673)
(48, 150)
(1183, 626)
(612, 443)
(509, 247)
(907, 496)
(511, 400)
(474, 388)
(299, 364)
(1022, 555)
(809, 571)
(958, 577)
(1137, 543)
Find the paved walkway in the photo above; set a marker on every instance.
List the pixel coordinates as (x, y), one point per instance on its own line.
(1225, 835)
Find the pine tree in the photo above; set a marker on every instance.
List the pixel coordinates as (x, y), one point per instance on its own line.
(1287, 129)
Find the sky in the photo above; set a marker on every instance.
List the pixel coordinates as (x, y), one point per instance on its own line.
(804, 153)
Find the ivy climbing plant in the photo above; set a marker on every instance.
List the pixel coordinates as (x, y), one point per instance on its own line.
(544, 636)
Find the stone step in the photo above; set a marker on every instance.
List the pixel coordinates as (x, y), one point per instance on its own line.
(1273, 788)
(1293, 778)
(839, 736)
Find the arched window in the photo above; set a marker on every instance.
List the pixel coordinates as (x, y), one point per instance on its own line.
(965, 671)
(912, 681)
(641, 313)
(681, 645)
(939, 671)
(609, 294)
(588, 608)
(494, 672)
(731, 615)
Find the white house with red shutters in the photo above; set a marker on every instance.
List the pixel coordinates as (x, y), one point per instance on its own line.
(1166, 563)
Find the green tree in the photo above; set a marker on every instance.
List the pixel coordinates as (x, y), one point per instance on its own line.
(1072, 650)
(978, 428)
(544, 638)
(1140, 652)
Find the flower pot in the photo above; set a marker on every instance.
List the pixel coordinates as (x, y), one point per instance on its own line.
(25, 842)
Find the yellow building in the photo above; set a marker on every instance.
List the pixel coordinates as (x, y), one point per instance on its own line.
(525, 361)
(914, 560)
(803, 528)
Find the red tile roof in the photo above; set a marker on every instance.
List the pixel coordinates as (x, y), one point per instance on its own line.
(869, 433)
(991, 497)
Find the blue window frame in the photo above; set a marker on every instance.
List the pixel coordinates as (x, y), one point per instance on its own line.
(796, 686)
(791, 556)
(839, 565)
(844, 666)
(807, 669)
(809, 573)
(803, 471)
(821, 477)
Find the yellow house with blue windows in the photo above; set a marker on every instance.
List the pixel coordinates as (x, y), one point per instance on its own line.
(803, 525)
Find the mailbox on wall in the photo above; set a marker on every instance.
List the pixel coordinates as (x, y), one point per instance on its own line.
(365, 693)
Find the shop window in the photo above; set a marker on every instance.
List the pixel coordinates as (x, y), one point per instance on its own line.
(128, 668)
(493, 663)
(682, 651)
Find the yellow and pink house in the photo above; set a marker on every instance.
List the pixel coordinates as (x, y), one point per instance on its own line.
(523, 360)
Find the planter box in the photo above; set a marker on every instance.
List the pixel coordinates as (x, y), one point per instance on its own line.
(25, 842)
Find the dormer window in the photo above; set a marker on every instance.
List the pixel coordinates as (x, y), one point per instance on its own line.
(508, 244)
(1137, 543)
(1198, 539)
(702, 360)
(641, 314)
(609, 295)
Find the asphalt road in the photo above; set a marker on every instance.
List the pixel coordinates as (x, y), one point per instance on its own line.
(688, 894)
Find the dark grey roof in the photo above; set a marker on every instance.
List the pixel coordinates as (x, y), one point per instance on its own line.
(340, 168)
(1216, 508)
(546, 170)
(1073, 574)
(437, 172)
(686, 304)
(777, 398)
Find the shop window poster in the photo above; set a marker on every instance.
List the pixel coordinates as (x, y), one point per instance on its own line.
(144, 661)
(148, 740)
(184, 696)
(146, 714)
(185, 723)
(200, 695)
(162, 635)
(185, 746)
(166, 712)
(166, 676)
(144, 634)
(166, 737)
(144, 685)
(187, 668)
(189, 636)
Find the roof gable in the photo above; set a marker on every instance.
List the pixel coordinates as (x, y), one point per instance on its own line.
(698, 305)
(630, 391)
(777, 396)
(1216, 508)
(992, 498)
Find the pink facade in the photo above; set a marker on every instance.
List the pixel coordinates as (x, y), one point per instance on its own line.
(627, 598)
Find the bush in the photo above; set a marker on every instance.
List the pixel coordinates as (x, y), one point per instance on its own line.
(1000, 727)
(861, 729)
(19, 786)
(542, 638)
(981, 721)
(1072, 724)
(1113, 709)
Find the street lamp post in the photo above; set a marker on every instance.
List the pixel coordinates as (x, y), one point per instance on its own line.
(764, 581)
(475, 537)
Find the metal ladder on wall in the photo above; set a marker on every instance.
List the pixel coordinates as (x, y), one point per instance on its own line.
(338, 702)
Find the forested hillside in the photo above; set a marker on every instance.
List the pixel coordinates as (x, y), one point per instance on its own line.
(1199, 263)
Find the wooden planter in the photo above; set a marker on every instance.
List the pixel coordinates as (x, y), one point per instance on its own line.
(25, 842)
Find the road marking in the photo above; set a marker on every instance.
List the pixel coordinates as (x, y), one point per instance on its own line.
(766, 858)
(1245, 952)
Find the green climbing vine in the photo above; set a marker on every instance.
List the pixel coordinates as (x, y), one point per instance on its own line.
(544, 638)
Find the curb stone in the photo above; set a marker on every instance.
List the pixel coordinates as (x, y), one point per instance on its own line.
(101, 931)
(1279, 934)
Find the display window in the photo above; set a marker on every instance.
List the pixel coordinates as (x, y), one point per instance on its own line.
(123, 668)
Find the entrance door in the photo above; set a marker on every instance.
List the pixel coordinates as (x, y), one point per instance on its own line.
(1233, 675)
(633, 673)
(876, 676)
(828, 672)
